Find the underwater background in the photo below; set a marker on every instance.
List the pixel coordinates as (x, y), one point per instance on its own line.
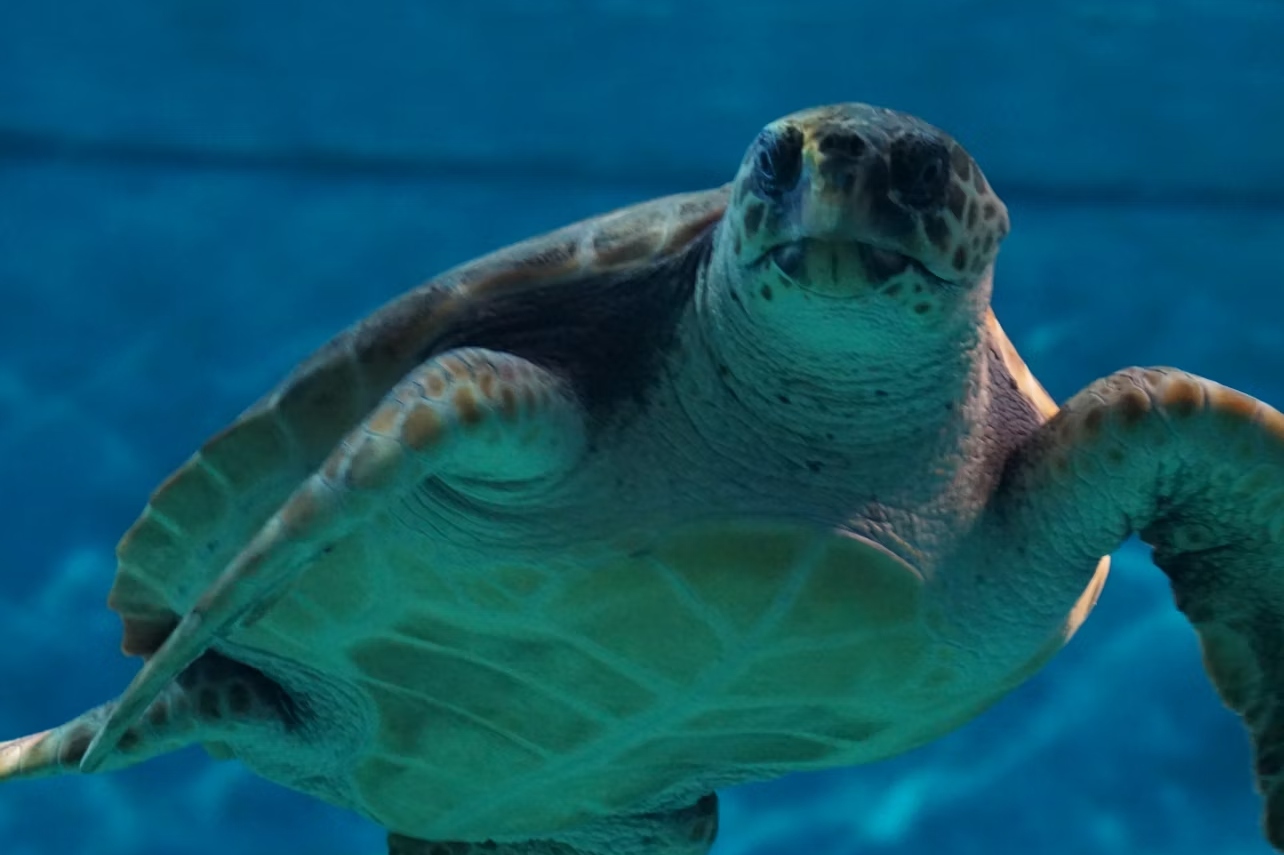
(195, 194)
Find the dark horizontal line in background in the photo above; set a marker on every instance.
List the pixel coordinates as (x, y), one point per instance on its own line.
(338, 165)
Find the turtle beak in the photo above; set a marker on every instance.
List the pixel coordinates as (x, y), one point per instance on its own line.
(898, 221)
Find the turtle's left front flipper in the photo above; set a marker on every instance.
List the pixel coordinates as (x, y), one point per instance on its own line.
(472, 414)
(1197, 470)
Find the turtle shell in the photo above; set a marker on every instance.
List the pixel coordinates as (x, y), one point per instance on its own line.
(202, 515)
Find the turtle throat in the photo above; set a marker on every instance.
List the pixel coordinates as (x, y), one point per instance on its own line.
(830, 371)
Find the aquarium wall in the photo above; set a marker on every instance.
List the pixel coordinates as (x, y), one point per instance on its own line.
(194, 195)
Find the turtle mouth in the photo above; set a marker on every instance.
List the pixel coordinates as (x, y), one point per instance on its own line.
(876, 263)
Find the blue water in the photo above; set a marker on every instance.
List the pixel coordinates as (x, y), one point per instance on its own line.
(195, 194)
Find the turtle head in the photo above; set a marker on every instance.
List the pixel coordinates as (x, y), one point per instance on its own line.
(854, 223)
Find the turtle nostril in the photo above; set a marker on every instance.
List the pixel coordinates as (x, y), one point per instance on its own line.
(846, 145)
(920, 171)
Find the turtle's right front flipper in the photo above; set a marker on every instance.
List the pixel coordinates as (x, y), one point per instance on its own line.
(216, 701)
(468, 413)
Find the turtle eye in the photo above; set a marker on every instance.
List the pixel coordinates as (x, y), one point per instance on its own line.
(778, 163)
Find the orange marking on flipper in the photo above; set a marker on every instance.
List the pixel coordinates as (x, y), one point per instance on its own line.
(457, 370)
(435, 384)
(1181, 396)
(423, 427)
(375, 463)
(1236, 405)
(386, 419)
(306, 509)
(470, 414)
(1132, 406)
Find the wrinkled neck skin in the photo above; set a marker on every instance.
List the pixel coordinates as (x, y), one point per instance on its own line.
(861, 383)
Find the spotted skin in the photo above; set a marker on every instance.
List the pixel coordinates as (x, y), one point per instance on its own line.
(704, 491)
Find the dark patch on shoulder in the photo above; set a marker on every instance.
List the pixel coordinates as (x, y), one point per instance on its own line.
(608, 334)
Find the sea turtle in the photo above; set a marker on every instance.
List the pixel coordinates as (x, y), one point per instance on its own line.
(724, 485)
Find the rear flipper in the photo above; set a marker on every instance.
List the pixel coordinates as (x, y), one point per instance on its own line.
(687, 831)
(216, 701)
